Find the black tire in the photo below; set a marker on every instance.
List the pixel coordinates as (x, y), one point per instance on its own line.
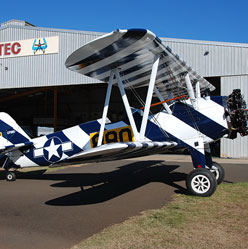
(201, 182)
(10, 176)
(218, 171)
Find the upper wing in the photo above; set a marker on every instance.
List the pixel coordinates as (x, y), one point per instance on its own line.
(124, 150)
(132, 52)
(13, 147)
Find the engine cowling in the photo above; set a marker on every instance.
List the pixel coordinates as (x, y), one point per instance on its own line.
(237, 114)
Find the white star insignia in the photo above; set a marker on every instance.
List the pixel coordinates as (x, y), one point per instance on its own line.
(52, 149)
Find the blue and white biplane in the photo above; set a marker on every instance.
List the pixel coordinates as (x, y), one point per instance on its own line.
(190, 119)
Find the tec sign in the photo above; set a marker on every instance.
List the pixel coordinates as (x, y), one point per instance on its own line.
(36, 46)
(10, 48)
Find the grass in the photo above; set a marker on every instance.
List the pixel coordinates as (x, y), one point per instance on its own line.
(187, 222)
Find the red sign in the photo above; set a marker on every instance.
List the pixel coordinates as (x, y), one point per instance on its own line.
(10, 48)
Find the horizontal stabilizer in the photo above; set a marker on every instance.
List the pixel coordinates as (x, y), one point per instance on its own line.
(9, 148)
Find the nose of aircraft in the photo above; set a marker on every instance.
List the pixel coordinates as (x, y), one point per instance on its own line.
(238, 113)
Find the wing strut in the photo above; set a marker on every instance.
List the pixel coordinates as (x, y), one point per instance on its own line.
(115, 73)
(149, 96)
(198, 90)
(190, 91)
(105, 110)
(126, 104)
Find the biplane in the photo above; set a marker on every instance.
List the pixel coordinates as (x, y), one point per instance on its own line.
(189, 119)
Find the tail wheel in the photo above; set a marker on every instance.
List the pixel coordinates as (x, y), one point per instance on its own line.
(218, 171)
(201, 182)
(10, 176)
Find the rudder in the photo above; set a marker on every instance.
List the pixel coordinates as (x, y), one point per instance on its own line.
(10, 132)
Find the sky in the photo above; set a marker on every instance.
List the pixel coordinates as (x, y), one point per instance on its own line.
(211, 20)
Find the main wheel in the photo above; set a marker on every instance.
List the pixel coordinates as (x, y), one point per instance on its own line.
(218, 171)
(10, 176)
(201, 182)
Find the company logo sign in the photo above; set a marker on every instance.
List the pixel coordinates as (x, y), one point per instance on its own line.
(39, 46)
(31, 47)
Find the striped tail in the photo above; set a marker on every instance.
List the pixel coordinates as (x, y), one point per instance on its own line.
(11, 133)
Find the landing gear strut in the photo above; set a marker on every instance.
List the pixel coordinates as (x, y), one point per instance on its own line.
(7, 165)
(218, 171)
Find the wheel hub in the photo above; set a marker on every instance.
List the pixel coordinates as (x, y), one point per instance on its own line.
(200, 184)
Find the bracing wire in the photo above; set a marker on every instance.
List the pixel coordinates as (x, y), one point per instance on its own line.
(140, 100)
(175, 79)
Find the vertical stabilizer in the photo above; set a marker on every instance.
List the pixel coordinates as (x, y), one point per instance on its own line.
(10, 132)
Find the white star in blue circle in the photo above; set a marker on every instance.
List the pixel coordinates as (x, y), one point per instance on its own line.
(53, 149)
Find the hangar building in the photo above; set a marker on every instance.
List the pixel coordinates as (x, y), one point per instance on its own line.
(37, 90)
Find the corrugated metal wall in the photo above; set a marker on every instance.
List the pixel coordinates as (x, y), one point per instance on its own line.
(211, 59)
(238, 147)
(207, 58)
(42, 70)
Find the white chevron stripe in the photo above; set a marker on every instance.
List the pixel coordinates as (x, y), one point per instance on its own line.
(115, 125)
(39, 141)
(139, 44)
(24, 161)
(101, 44)
(133, 63)
(206, 108)
(77, 136)
(4, 142)
(186, 133)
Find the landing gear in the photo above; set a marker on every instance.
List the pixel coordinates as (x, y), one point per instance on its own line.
(10, 176)
(218, 171)
(6, 164)
(201, 182)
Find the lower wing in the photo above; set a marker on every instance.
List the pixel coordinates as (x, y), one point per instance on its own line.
(124, 150)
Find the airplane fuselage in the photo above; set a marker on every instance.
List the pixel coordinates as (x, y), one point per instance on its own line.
(184, 126)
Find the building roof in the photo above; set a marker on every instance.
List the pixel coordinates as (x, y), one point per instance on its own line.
(26, 25)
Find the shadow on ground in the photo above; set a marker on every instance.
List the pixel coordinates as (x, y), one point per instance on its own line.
(100, 187)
